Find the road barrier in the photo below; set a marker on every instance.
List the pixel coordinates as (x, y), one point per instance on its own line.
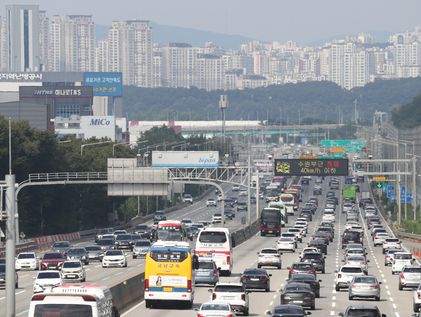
(44, 243)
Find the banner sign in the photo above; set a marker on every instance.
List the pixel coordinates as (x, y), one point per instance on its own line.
(104, 84)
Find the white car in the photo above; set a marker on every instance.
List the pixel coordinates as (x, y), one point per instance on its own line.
(345, 274)
(73, 270)
(380, 238)
(217, 218)
(356, 260)
(27, 261)
(243, 192)
(285, 244)
(114, 258)
(216, 308)
(211, 202)
(269, 257)
(290, 235)
(400, 259)
(187, 198)
(47, 279)
(309, 250)
(328, 215)
(391, 243)
(297, 232)
(233, 294)
(235, 188)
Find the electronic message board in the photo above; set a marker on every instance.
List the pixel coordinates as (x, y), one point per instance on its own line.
(311, 167)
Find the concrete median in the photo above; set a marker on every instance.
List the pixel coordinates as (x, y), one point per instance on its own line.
(129, 292)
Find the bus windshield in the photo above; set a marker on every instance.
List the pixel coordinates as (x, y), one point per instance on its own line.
(212, 237)
(169, 235)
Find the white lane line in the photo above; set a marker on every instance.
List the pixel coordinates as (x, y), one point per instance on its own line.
(334, 298)
(271, 303)
(106, 278)
(22, 312)
(333, 304)
(391, 299)
(397, 314)
(274, 296)
(332, 313)
(133, 308)
(2, 298)
(23, 291)
(394, 306)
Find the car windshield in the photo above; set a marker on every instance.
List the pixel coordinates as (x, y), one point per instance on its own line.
(297, 287)
(48, 256)
(142, 244)
(356, 258)
(365, 280)
(76, 251)
(363, 312)
(42, 275)
(105, 242)
(412, 269)
(122, 237)
(141, 228)
(284, 311)
(206, 265)
(93, 248)
(61, 245)
(312, 256)
(303, 277)
(404, 256)
(2, 268)
(269, 251)
(114, 252)
(215, 307)
(254, 272)
(351, 270)
(229, 289)
(302, 266)
(392, 240)
(69, 265)
(26, 256)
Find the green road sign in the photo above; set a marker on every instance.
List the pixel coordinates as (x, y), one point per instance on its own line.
(349, 145)
(379, 185)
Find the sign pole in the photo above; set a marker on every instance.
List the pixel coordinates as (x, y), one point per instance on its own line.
(10, 247)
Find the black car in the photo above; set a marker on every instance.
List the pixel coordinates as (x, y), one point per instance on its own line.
(362, 310)
(288, 311)
(229, 214)
(241, 206)
(319, 244)
(159, 216)
(256, 279)
(106, 244)
(317, 190)
(78, 254)
(143, 230)
(317, 259)
(123, 241)
(322, 235)
(350, 236)
(3, 276)
(306, 214)
(309, 279)
(328, 231)
(299, 294)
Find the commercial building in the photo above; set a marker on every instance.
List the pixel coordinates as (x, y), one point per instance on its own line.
(23, 38)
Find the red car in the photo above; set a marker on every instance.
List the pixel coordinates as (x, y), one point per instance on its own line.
(52, 261)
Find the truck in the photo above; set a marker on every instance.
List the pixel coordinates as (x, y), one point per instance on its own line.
(349, 192)
(270, 222)
(282, 210)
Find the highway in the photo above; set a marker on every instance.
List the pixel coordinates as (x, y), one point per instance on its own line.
(111, 276)
(393, 302)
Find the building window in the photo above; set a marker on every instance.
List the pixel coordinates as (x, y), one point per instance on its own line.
(66, 110)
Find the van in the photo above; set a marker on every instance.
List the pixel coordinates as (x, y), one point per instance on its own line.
(74, 299)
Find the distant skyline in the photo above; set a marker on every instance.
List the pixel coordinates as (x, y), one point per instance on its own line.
(305, 21)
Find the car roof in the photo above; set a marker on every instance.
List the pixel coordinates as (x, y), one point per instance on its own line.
(229, 284)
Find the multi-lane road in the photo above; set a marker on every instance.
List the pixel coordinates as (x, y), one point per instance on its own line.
(393, 302)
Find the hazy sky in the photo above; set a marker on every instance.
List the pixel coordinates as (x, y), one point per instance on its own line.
(300, 20)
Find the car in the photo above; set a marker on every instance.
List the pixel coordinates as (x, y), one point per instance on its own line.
(229, 214)
(391, 243)
(100, 232)
(61, 246)
(305, 213)
(78, 254)
(256, 279)
(105, 244)
(47, 279)
(389, 255)
(410, 277)
(298, 294)
(400, 259)
(27, 261)
(320, 244)
(297, 232)
(233, 294)
(290, 235)
(123, 241)
(243, 192)
(94, 252)
(3, 276)
(345, 275)
(379, 238)
(159, 216)
(51, 261)
(211, 203)
(217, 218)
(317, 190)
(187, 198)
(308, 250)
(364, 286)
(269, 257)
(417, 299)
(235, 188)
(215, 308)
(350, 236)
(207, 272)
(118, 232)
(144, 231)
(328, 215)
(362, 310)
(357, 260)
(309, 279)
(140, 249)
(288, 310)
(285, 244)
(241, 206)
(301, 267)
(322, 235)
(317, 259)
(114, 258)
(354, 251)
(73, 270)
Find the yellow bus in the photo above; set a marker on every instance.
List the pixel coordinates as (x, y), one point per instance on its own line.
(169, 275)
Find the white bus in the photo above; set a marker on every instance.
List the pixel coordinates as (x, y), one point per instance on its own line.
(215, 243)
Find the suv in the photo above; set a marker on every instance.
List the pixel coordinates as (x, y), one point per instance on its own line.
(187, 198)
(159, 216)
(391, 243)
(409, 277)
(350, 237)
(345, 275)
(362, 310)
(400, 259)
(233, 294)
(317, 259)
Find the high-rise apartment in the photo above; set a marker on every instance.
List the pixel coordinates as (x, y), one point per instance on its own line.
(3, 45)
(23, 37)
(56, 50)
(44, 32)
(178, 65)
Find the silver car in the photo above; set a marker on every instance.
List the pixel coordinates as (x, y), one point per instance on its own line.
(410, 276)
(207, 273)
(364, 286)
(269, 257)
(141, 248)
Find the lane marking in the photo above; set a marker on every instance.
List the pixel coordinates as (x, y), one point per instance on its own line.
(22, 312)
(133, 308)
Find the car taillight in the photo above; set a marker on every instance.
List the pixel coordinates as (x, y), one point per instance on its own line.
(213, 296)
(243, 296)
(264, 278)
(375, 286)
(38, 297)
(230, 315)
(146, 284)
(402, 276)
(188, 285)
(200, 315)
(89, 298)
(243, 278)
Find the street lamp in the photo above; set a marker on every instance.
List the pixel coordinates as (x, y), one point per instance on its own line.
(92, 144)
(223, 105)
(117, 144)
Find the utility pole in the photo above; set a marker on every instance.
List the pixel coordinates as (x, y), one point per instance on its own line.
(223, 105)
(248, 189)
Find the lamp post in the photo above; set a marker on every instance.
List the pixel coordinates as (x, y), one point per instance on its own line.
(92, 144)
(223, 104)
(117, 144)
